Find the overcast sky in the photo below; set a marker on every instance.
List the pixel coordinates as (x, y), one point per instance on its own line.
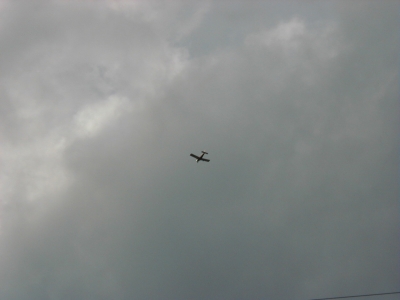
(101, 103)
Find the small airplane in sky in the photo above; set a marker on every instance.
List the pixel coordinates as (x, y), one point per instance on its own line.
(200, 157)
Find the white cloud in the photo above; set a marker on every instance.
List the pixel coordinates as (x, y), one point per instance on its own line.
(305, 49)
(286, 33)
(91, 119)
(73, 81)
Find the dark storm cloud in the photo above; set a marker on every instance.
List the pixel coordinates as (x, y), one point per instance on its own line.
(299, 200)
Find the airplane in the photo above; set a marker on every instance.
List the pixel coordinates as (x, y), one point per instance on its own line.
(201, 156)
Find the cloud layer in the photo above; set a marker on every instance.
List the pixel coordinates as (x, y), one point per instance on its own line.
(102, 102)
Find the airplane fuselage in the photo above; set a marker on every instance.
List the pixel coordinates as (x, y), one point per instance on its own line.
(201, 156)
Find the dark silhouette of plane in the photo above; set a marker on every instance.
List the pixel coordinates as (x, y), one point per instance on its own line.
(198, 158)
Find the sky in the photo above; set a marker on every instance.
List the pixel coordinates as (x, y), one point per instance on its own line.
(101, 103)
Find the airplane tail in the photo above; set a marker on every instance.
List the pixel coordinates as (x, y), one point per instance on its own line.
(204, 152)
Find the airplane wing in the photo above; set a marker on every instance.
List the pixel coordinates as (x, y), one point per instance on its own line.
(205, 159)
(191, 154)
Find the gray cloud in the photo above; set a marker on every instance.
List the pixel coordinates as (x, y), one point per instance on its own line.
(102, 108)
